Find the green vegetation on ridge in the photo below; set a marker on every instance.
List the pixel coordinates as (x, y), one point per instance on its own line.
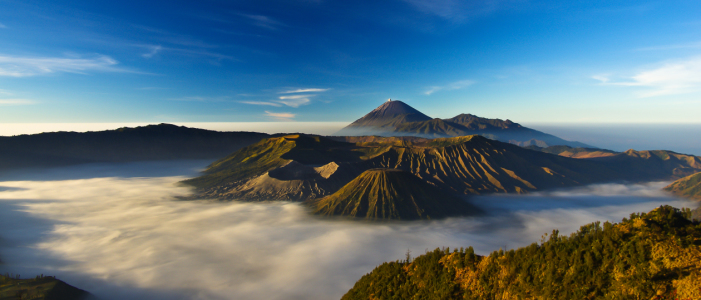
(41, 287)
(655, 255)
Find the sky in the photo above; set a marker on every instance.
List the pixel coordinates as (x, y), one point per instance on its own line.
(334, 61)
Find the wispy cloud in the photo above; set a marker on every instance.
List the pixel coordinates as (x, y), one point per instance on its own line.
(308, 90)
(695, 45)
(452, 86)
(671, 78)
(8, 102)
(16, 66)
(2, 26)
(264, 21)
(295, 100)
(200, 99)
(154, 51)
(261, 103)
(459, 10)
(280, 116)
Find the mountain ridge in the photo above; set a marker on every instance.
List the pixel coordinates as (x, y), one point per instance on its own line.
(290, 167)
(378, 194)
(396, 118)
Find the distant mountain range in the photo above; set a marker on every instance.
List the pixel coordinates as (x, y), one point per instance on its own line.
(396, 118)
(152, 142)
(308, 168)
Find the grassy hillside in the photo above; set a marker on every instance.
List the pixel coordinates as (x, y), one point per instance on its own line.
(689, 187)
(655, 255)
(379, 194)
(271, 153)
(152, 142)
(41, 287)
(640, 165)
(573, 152)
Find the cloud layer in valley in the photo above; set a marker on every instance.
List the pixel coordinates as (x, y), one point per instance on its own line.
(116, 231)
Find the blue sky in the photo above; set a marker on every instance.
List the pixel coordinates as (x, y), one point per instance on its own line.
(326, 61)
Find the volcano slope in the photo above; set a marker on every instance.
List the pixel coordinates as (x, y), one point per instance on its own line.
(305, 167)
(378, 194)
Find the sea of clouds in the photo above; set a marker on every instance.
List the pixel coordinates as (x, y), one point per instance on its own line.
(118, 231)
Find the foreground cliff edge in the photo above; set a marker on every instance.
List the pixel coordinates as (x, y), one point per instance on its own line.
(655, 255)
(41, 287)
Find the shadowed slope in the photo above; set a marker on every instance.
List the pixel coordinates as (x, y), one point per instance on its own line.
(652, 164)
(383, 194)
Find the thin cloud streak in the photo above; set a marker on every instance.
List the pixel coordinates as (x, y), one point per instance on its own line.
(452, 86)
(457, 10)
(681, 77)
(261, 103)
(281, 116)
(309, 90)
(154, 51)
(295, 100)
(15, 66)
(3, 26)
(695, 45)
(200, 99)
(264, 21)
(9, 102)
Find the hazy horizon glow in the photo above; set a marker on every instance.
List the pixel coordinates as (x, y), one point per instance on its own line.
(116, 231)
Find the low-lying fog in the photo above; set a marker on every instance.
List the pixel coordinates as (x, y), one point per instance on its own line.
(116, 231)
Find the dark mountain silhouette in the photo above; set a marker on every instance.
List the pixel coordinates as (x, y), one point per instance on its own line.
(652, 255)
(396, 118)
(378, 194)
(152, 142)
